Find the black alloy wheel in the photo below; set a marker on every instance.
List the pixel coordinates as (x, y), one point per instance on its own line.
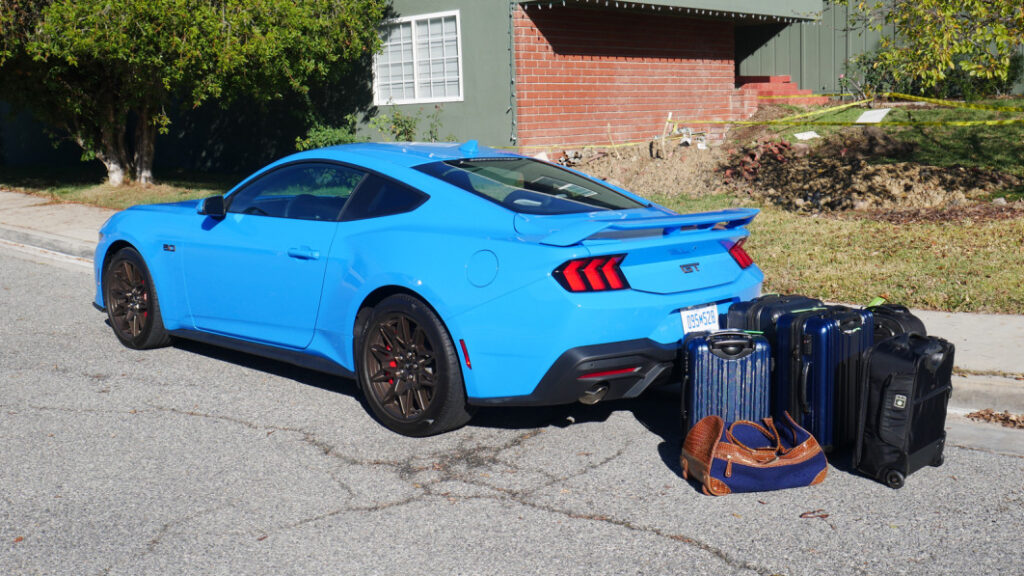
(131, 302)
(409, 370)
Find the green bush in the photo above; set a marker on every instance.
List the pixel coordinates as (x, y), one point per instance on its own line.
(404, 127)
(871, 74)
(320, 135)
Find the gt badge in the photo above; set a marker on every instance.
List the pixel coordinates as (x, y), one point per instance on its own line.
(690, 268)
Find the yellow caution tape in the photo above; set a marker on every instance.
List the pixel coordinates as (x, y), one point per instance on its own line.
(780, 120)
(951, 103)
(804, 96)
(823, 111)
(797, 120)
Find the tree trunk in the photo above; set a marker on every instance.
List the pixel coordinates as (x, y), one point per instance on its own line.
(145, 143)
(112, 151)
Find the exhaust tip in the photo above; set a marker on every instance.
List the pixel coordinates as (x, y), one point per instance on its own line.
(594, 395)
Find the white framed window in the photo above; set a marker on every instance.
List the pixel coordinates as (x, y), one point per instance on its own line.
(421, 60)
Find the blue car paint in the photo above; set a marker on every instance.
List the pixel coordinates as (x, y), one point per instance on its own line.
(514, 326)
(258, 278)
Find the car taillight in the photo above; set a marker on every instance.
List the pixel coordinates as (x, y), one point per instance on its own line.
(740, 255)
(597, 274)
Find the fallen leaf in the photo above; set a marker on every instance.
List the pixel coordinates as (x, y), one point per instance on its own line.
(819, 513)
(1005, 417)
(18, 539)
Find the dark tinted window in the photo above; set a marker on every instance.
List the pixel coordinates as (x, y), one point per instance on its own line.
(382, 197)
(528, 185)
(307, 191)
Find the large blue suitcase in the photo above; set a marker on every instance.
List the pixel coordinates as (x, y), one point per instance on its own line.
(762, 313)
(727, 373)
(818, 370)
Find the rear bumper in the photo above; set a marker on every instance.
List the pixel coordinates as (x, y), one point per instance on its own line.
(617, 370)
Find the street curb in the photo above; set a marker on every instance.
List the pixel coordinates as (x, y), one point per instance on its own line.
(61, 244)
(972, 392)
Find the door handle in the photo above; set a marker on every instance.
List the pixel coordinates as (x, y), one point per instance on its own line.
(304, 253)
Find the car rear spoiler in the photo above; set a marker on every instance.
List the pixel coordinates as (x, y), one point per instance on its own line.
(722, 220)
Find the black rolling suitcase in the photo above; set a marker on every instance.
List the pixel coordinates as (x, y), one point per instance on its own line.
(727, 373)
(893, 320)
(905, 391)
(818, 370)
(762, 313)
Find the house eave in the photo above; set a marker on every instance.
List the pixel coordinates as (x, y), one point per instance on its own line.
(785, 10)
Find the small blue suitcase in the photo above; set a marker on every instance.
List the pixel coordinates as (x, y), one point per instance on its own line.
(727, 373)
(819, 369)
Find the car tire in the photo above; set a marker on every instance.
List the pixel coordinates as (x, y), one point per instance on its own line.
(131, 302)
(408, 369)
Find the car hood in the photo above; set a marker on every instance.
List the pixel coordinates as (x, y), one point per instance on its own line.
(176, 207)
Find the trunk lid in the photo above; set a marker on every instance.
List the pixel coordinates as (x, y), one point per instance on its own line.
(666, 253)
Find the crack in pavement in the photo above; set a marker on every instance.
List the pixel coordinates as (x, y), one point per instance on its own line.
(458, 466)
(156, 540)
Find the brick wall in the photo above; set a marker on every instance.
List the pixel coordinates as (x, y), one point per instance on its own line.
(587, 76)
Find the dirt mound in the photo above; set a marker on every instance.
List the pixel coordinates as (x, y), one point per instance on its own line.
(684, 170)
(838, 176)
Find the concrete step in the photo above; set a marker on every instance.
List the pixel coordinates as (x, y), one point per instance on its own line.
(812, 101)
(762, 86)
(793, 91)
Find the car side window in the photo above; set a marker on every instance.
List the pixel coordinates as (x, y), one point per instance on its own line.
(379, 196)
(306, 191)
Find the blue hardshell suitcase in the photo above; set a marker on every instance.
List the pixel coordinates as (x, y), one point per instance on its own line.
(818, 370)
(762, 313)
(727, 373)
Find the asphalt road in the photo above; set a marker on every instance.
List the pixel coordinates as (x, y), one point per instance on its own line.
(194, 460)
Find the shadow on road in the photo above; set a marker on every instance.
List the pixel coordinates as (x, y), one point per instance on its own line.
(657, 410)
(324, 381)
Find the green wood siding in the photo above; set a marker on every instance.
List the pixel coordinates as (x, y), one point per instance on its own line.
(486, 111)
(1018, 88)
(813, 54)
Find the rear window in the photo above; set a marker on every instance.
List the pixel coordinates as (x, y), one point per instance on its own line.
(529, 186)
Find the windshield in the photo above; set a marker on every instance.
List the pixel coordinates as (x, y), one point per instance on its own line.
(528, 185)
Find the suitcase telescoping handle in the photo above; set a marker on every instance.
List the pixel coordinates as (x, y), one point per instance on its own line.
(850, 320)
(731, 344)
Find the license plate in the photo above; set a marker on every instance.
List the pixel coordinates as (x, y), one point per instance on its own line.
(700, 318)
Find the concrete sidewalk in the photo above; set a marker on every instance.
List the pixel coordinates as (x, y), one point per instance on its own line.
(989, 347)
(71, 229)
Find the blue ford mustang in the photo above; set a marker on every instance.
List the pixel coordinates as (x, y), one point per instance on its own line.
(441, 277)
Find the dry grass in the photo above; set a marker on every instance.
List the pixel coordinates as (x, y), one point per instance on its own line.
(961, 266)
(85, 184)
(121, 197)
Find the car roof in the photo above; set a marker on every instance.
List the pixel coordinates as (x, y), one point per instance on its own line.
(404, 154)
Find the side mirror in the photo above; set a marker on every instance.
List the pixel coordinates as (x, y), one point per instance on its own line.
(212, 207)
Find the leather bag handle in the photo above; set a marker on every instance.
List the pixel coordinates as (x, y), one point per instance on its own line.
(755, 452)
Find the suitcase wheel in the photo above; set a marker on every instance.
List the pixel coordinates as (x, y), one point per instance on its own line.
(939, 461)
(894, 479)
